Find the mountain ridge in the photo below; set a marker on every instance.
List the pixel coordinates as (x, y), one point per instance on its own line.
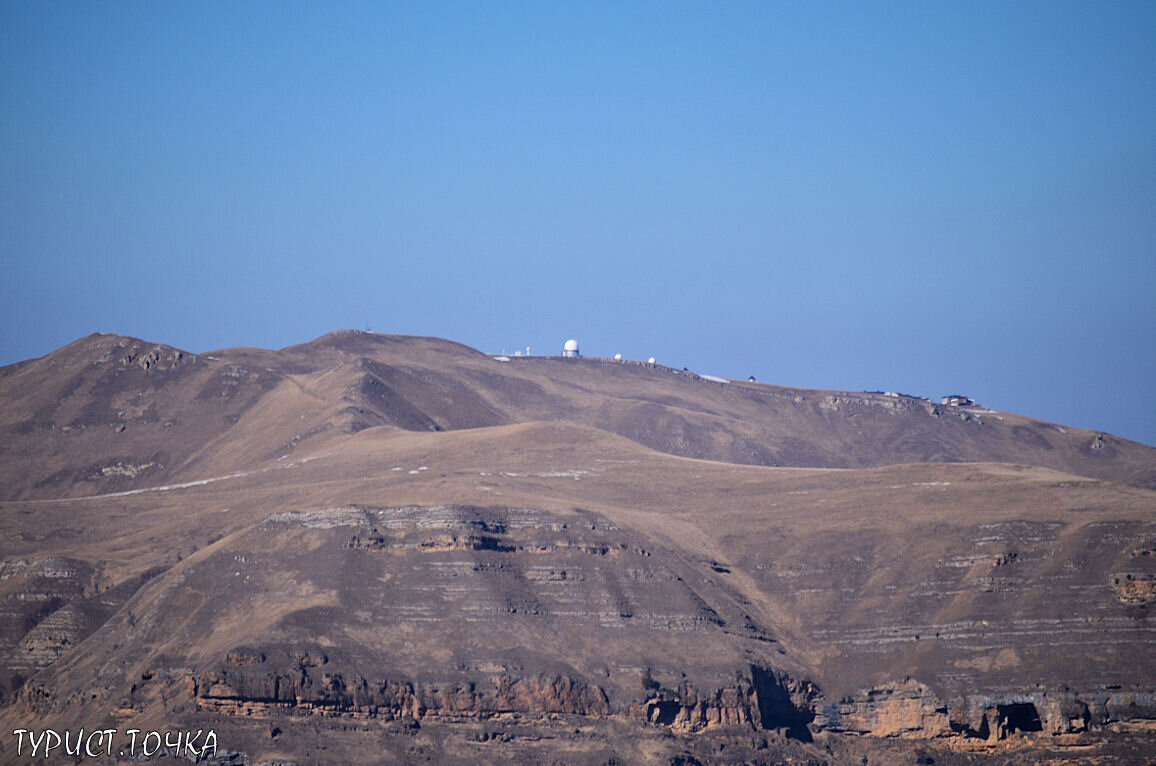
(364, 380)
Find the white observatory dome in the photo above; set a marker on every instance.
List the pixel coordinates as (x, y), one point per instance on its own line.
(570, 348)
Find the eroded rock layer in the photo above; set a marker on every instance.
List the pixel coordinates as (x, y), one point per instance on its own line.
(487, 613)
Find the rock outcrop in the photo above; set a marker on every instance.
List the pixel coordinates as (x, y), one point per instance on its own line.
(903, 709)
(762, 699)
(254, 686)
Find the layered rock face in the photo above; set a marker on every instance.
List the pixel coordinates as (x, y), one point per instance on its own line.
(502, 574)
(1022, 602)
(900, 709)
(911, 710)
(264, 689)
(763, 699)
(453, 603)
(47, 608)
(40, 611)
(443, 614)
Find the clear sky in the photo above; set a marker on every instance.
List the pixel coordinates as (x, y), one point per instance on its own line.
(926, 197)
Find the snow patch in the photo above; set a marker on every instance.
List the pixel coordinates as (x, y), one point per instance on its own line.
(574, 472)
(125, 469)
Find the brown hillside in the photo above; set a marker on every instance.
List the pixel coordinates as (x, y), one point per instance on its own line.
(376, 549)
(108, 414)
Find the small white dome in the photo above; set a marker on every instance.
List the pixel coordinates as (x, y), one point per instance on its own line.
(571, 345)
(651, 360)
(618, 356)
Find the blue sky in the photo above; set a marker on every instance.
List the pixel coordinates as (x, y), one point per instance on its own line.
(925, 197)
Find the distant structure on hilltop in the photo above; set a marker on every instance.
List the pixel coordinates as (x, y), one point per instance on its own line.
(957, 400)
(570, 348)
